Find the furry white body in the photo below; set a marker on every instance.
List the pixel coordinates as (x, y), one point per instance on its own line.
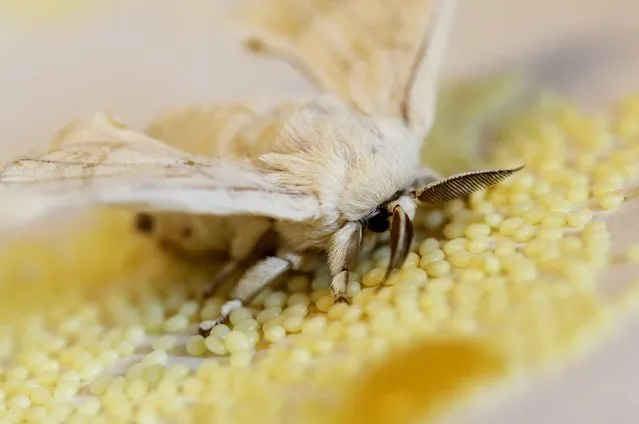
(309, 178)
(314, 151)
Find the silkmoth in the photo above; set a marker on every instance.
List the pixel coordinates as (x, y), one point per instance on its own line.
(294, 181)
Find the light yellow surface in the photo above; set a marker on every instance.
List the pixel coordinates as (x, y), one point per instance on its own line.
(113, 72)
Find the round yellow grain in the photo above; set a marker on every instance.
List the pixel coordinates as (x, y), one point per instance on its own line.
(431, 256)
(220, 331)
(373, 277)
(136, 389)
(99, 386)
(479, 245)
(279, 320)
(475, 231)
(455, 245)
(461, 259)
(246, 325)
(276, 300)
(274, 334)
(352, 288)
(411, 261)
(434, 219)
(438, 268)
(524, 233)
(454, 230)
(176, 324)
(164, 343)
(299, 299)
(428, 245)
(156, 357)
(490, 264)
(236, 341)
(299, 310)
(195, 345)
(324, 303)
(177, 372)
(336, 311)
(314, 324)
(293, 324)
(319, 293)
(493, 220)
(510, 225)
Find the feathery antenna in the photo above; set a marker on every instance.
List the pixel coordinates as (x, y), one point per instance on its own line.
(461, 185)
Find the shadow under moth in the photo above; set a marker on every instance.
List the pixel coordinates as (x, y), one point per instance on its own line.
(276, 188)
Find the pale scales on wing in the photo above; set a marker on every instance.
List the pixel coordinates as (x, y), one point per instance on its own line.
(335, 165)
(382, 57)
(96, 159)
(237, 129)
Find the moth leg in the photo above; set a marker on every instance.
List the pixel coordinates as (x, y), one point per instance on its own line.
(338, 287)
(345, 245)
(227, 270)
(243, 248)
(255, 279)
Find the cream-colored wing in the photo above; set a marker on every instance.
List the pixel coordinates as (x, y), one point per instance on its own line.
(381, 56)
(226, 129)
(101, 161)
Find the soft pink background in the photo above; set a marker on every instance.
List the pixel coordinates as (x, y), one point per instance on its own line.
(140, 57)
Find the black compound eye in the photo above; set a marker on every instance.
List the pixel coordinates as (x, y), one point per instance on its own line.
(378, 223)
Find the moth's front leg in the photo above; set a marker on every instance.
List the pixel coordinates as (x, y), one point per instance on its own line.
(244, 246)
(345, 245)
(223, 275)
(255, 279)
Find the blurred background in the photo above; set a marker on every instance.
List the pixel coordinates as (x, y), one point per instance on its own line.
(60, 60)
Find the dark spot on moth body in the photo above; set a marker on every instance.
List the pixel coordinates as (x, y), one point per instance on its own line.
(144, 223)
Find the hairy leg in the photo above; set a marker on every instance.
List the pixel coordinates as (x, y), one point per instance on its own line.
(255, 279)
(224, 274)
(244, 247)
(345, 245)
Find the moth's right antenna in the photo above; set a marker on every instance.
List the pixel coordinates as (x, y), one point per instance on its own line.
(461, 185)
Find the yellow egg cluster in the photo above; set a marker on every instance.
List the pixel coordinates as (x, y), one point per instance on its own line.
(517, 265)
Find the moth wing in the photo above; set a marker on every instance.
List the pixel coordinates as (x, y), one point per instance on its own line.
(229, 129)
(381, 56)
(100, 161)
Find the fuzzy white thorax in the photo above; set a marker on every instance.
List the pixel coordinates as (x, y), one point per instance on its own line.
(351, 162)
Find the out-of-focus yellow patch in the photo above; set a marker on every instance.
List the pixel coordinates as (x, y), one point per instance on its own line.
(58, 265)
(418, 382)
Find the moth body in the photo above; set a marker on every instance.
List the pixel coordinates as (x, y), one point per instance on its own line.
(228, 131)
(355, 166)
(277, 188)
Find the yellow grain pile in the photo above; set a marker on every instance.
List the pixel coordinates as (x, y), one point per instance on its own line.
(504, 281)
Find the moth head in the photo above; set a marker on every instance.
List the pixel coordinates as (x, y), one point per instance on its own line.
(397, 213)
